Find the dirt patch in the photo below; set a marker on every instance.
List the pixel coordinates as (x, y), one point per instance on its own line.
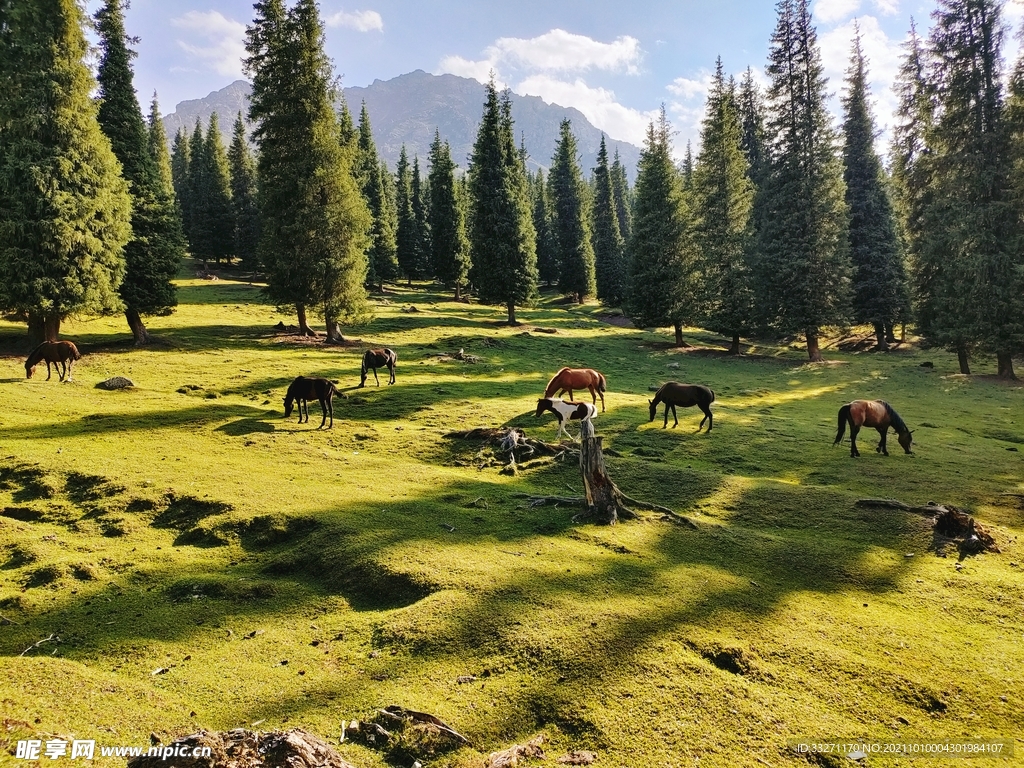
(247, 749)
(186, 512)
(619, 321)
(215, 589)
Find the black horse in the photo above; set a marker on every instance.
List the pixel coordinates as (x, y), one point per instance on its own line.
(684, 395)
(378, 358)
(305, 388)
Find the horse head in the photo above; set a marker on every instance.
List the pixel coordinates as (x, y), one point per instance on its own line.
(906, 440)
(28, 370)
(654, 409)
(544, 404)
(287, 407)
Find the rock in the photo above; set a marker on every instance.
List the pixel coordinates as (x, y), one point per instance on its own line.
(579, 757)
(116, 382)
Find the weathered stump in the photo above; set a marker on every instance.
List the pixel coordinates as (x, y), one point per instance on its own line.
(605, 502)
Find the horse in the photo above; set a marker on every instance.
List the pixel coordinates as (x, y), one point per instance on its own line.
(566, 411)
(306, 388)
(568, 379)
(872, 413)
(684, 395)
(378, 358)
(63, 353)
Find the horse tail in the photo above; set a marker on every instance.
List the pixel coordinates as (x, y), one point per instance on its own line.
(74, 352)
(844, 416)
(712, 394)
(601, 383)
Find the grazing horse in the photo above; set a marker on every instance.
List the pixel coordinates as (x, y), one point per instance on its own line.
(872, 413)
(566, 411)
(62, 353)
(305, 388)
(378, 358)
(568, 379)
(684, 395)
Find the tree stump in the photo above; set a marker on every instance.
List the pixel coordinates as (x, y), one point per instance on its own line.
(605, 502)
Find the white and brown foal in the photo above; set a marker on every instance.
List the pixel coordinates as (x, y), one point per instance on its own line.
(565, 412)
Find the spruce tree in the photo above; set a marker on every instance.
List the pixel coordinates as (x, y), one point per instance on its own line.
(608, 244)
(623, 197)
(502, 237)
(663, 266)
(971, 225)
(156, 141)
(687, 168)
(547, 248)
(421, 212)
(879, 280)
(570, 218)
(723, 196)
(313, 218)
(153, 254)
(244, 203)
(215, 195)
(801, 271)
(389, 219)
(181, 177)
(753, 139)
(381, 258)
(65, 215)
(407, 235)
(198, 232)
(447, 219)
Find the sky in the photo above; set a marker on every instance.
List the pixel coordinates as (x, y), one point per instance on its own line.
(617, 62)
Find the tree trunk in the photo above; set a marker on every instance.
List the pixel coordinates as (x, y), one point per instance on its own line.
(881, 337)
(334, 335)
(734, 349)
(1005, 360)
(36, 329)
(512, 314)
(679, 334)
(813, 350)
(604, 500)
(890, 333)
(304, 329)
(139, 332)
(903, 333)
(961, 354)
(51, 325)
(458, 291)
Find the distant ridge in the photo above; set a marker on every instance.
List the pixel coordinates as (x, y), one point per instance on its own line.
(408, 108)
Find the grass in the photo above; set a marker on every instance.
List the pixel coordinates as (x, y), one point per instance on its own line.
(207, 563)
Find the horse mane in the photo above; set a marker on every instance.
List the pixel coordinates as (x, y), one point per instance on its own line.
(37, 348)
(894, 418)
(551, 381)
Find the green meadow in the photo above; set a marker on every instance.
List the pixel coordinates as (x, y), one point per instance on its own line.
(199, 561)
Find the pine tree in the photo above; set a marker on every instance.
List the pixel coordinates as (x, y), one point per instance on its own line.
(502, 237)
(662, 259)
(421, 212)
(753, 139)
(198, 232)
(244, 202)
(215, 195)
(407, 234)
(447, 219)
(970, 214)
(608, 244)
(313, 218)
(382, 256)
(687, 168)
(547, 248)
(801, 271)
(879, 280)
(156, 142)
(181, 177)
(65, 216)
(570, 218)
(723, 196)
(623, 197)
(157, 246)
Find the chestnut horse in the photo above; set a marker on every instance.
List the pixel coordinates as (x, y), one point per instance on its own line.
(872, 413)
(568, 379)
(378, 358)
(306, 388)
(684, 395)
(62, 353)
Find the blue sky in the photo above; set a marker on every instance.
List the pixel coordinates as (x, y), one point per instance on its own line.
(617, 62)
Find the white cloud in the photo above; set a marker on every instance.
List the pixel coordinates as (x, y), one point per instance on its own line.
(361, 21)
(224, 38)
(887, 7)
(478, 70)
(831, 11)
(598, 105)
(564, 51)
(688, 89)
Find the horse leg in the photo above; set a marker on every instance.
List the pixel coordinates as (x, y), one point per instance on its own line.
(305, 403)
(593, 394)
(854, 429)
(47, 370)
(375, 377)
(675, 416)
(883, 431)
(665, 424)
(323, 411)
(391, 369)
(707, 415)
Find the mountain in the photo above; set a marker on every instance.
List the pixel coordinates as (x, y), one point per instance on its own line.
(407, 109)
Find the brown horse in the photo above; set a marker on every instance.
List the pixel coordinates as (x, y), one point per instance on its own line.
(378, 358)
(684, 395)
(872, 413)
(306, 388)
(568, 379)
(62, 353)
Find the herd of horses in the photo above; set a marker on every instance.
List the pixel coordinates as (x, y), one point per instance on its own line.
(876, 414)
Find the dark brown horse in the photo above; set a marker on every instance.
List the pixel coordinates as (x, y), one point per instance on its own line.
(684, 395)
(305, 388)
(872, 413)
(62, 353)
(568, 379)
(378, 358)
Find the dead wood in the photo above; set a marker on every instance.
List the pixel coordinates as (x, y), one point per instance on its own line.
(52, 638)
(950, 522)
(509, 758)
(405, 734)
(247, 749)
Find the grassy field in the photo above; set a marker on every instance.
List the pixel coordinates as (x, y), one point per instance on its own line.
(206, 563)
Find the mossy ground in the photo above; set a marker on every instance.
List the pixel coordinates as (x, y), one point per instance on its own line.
(207, 563)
